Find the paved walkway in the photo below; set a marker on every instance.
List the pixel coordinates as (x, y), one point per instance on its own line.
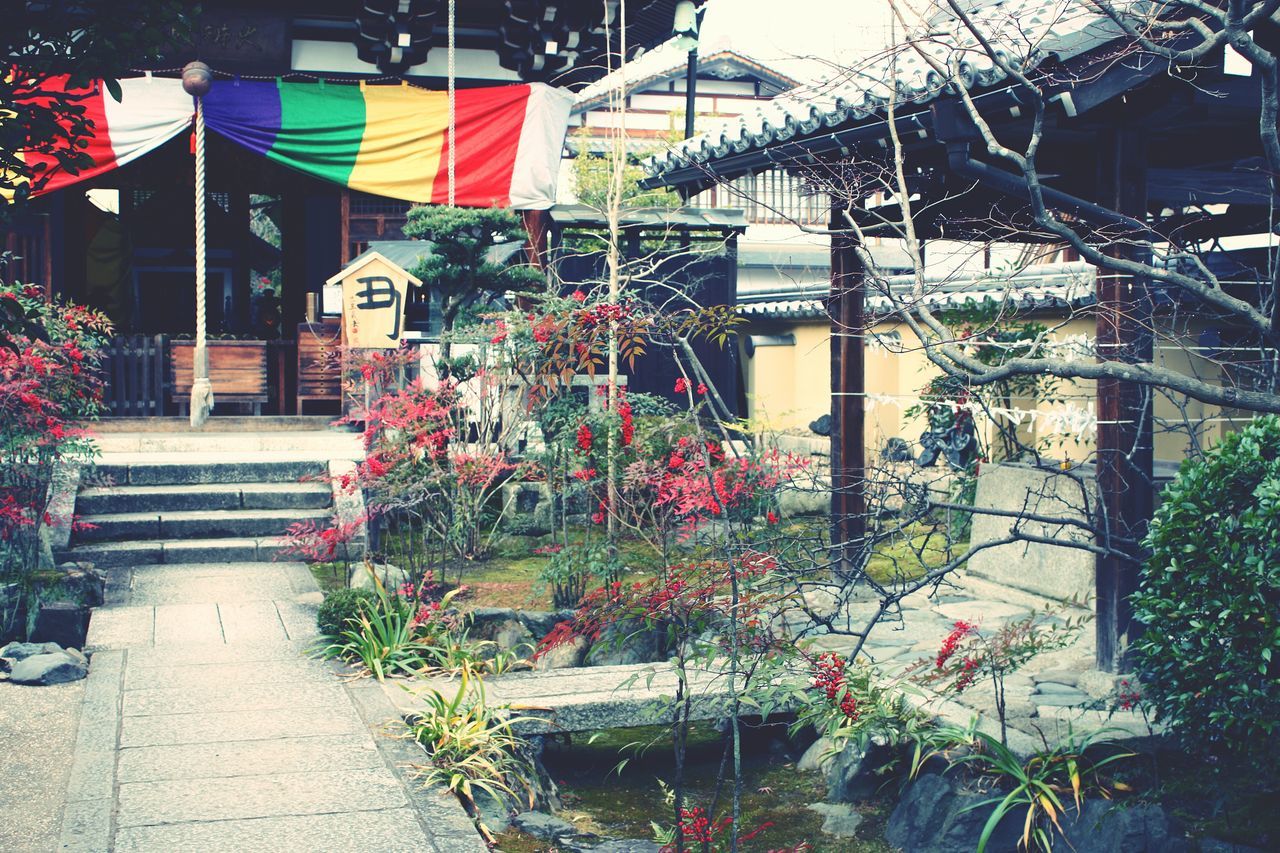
(206, 728)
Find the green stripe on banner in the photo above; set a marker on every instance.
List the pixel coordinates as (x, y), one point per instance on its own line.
(320, 129)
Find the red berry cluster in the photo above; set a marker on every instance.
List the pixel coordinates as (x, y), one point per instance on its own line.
(961, 630)
(829, 677)
(584, 439)
(968, 669)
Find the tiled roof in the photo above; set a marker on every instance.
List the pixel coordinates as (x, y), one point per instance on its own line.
(667, 62)
(1033, 288)
(1027, 31)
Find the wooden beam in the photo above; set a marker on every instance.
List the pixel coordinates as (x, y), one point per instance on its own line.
(848, 413)
(1124, 462)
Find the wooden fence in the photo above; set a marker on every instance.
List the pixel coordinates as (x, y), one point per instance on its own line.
(136, 369)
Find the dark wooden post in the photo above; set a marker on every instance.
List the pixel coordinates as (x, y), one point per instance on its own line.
(1124, 409)
(848, 412)
(537, 224)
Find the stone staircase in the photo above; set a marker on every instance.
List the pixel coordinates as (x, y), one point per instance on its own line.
(197, 507)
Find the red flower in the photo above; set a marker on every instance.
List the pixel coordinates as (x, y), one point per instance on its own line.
(772, 517)
(682, 385)
(585, 474)
(628, 428)
(702, 388)
(501, 334)
(585, 439)
(579, 296)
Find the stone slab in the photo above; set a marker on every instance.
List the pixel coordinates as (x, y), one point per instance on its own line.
(198, 468)
(119, 526)
(191, 585)
(213, 653)
(109, 555)
(386, 831)
(96, 501)
(232, 697)
(299, 619)
(250, 523)
(241, 797)
(985, 613)
(209, 551)
(251, 622)
(178, 624)
(118, 627)
(222, 726)
(200, 675)
(309, 754)
(1054, 571)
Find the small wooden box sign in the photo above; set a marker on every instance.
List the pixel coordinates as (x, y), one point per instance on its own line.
(374, 292)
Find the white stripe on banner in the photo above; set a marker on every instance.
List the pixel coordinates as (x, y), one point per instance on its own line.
(537, 168)
(151, 111)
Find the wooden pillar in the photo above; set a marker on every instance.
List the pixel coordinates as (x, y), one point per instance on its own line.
(537, 224)
(242, 237)
(1124, 409)
(848, 409)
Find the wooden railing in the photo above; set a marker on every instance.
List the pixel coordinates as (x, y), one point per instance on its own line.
(136, 370)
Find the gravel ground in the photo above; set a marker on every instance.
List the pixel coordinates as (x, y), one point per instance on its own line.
(37, 739)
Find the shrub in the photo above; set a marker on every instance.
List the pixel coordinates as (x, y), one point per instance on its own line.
(1210, 597)
(342, 607)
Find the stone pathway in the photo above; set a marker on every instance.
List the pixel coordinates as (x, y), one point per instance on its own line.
(206, 727)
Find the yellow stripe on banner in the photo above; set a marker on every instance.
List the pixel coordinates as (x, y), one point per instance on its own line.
(13, 178)
(404, 134)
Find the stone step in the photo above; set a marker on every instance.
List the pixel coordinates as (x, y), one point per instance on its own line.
(194, 524)
(107, 555)
(195, 470)
(328, 444)
(211, 496)
(216, 424)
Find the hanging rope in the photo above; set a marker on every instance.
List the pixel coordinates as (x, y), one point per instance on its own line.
(453, 117)
(196, 79)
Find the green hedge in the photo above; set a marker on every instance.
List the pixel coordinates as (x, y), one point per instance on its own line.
(1210, 598)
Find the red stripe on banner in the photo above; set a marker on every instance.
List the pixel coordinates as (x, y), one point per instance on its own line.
(489, 122)
(52, 94)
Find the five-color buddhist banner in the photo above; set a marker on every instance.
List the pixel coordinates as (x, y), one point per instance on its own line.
(387, 140)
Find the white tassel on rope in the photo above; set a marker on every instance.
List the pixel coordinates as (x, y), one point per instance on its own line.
(196, 80)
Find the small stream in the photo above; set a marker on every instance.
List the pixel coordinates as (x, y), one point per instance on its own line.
(623, 803)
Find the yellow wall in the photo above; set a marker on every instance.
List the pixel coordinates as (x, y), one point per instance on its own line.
(789, 386)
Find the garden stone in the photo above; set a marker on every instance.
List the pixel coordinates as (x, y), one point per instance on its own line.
(16, 651)
(494, 813)
(933, 817)
(847, 771)
(391, 577)
(542, 622)
(47, 669)
(65, 623)
(627, 643)
(564, 656)
(839, 819)
(966, 820)
(1061, 700)
(920, 814)
(1215, 845)
(512, 635)
(1050, 687)
(544, 826)
(1103, 827)
(812, 760)
(1057, 676)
